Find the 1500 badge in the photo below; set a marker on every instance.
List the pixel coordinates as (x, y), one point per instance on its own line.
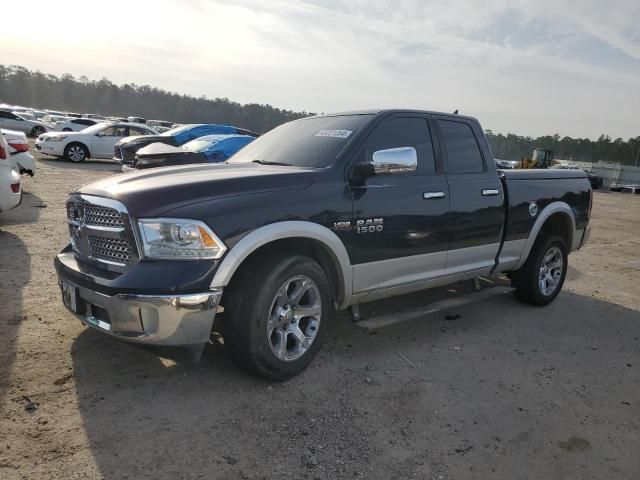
(369, 225)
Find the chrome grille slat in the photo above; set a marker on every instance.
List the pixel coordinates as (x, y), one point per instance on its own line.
(102, 216)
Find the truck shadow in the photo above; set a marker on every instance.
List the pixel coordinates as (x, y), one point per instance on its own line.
(15, 267)
(499, 367)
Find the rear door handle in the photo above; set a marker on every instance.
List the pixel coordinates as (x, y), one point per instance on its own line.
(490, 192)
(433, 195)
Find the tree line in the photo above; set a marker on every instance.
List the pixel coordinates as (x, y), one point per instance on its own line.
(514, 147)
(21, 86)
(24, 87)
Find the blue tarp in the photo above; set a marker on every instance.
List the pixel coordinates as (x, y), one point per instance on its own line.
(218, 148)
(186, 133)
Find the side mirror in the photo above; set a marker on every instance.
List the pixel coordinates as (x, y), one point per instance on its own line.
(395, 160)
(100, 134)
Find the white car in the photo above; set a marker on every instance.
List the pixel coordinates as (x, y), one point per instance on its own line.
(53, 119)
(74, 124)
(92, 142)
(10, 185)
(13, 121)
(19, 154)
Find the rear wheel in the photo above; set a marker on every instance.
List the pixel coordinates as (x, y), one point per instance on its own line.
(276, 315)
(540, 279)
(76, 152)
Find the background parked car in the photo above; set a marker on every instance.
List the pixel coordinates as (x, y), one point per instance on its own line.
(208, 149)
(136, 120)
(160, 125)
(92, 142)
(125, 150)
(505, 164)
(10, 185)
(95, 116)
(74, 124)
(12, 121)
(52, 119)
(19, 154)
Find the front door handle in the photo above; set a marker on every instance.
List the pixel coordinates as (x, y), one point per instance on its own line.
(433, 195)
(490, 192)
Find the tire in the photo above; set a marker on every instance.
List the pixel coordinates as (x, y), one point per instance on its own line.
(260, 320)
(76, 152)
(37, 131)
(540, 279)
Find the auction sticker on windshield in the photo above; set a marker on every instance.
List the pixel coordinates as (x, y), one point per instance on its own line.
(334, 133)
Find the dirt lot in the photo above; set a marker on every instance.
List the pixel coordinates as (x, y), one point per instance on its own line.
(504, 391)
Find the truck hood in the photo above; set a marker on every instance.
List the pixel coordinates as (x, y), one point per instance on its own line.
(152, 192)
(159, 149)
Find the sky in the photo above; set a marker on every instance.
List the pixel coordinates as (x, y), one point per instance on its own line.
(530, 67)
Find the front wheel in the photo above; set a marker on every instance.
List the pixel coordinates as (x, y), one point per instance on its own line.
(37, 131)
(540, 279)
(76, 152)
(276, 315)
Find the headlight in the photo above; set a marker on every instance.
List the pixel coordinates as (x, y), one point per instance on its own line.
(179, 239)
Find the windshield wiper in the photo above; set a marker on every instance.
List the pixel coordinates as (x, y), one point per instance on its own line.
(266, 162)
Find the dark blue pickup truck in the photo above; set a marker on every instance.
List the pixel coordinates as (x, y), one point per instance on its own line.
(320, 213)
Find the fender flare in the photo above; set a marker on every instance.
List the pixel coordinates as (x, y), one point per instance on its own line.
(282, 230)
(551, 209)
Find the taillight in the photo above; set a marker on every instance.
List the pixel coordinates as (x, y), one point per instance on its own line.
(590, 204)
(19, 145)
(15, 187)
(3, 153)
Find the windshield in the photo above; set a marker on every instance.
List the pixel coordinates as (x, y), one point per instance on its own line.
(96, 128)
(309, 142)
(201, 144)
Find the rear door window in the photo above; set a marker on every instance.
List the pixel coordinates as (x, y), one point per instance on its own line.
(463, 152)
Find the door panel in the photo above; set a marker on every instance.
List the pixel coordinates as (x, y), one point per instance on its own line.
(477, 212)
(399, 235)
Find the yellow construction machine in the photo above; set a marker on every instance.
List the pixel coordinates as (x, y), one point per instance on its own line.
(541, 158)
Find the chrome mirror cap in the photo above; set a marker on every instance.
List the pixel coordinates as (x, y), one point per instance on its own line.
(395, 160)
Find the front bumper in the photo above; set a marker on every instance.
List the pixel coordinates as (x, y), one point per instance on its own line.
(50, 148)
(172, 320)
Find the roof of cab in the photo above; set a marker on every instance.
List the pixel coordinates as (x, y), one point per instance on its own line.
(385, 111)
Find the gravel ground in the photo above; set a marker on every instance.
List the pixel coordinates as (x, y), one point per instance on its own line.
(504, 390)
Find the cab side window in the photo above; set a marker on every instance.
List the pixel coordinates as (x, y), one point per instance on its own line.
(463, 152)
(404, 132)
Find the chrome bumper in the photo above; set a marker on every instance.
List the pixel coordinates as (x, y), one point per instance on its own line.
(176, 320)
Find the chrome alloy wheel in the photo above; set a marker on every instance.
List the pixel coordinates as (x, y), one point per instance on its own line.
(550, 271)
(76, 153)
(294, 318)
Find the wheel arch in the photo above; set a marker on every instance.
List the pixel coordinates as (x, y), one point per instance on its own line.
(298, 236)
(557, 218)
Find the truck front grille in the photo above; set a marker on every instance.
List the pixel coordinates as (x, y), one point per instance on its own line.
(101, 232)
(110, 249)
